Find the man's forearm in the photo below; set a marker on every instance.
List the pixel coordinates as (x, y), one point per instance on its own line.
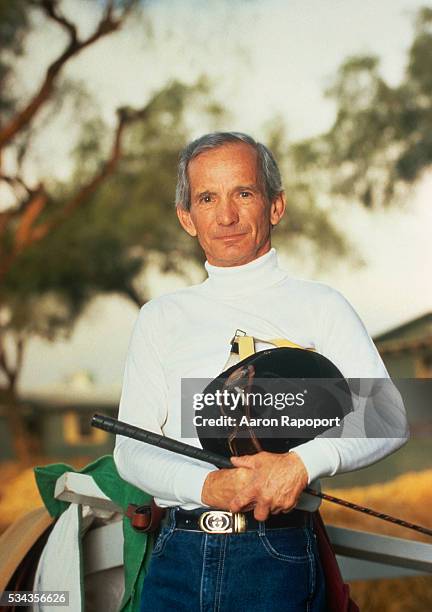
(172, 479)
(329, 456)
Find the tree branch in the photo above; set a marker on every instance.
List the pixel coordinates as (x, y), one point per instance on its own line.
(23, 234)
(51, 9)
(15, 180)
(28, 232)
(106, 25)
(4, 365)
(11, 373)
(19, 360)
(27, 214)
(124, 118)
(130, 292)
(15, 212)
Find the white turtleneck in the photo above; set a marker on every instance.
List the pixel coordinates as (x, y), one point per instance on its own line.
(186, 334)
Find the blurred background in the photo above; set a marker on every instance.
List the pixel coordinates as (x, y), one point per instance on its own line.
(98, 97)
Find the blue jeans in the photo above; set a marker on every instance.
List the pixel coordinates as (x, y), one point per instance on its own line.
(257, 571)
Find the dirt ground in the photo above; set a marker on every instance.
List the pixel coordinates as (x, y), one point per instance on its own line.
(18, 491)
(408, 497)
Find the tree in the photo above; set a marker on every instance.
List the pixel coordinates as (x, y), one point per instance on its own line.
(380, 141)
(63, 243)
(308, 218)
(28, 220)
(20, 224)
(105, 245)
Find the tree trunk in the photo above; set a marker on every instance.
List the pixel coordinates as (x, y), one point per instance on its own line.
(23, 442)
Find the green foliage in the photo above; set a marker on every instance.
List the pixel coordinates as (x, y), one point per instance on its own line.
(105, 245)
(14, 25)
(382, 135)
(306, 220)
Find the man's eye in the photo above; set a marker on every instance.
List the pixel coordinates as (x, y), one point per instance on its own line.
(245, 194)
(206, 199)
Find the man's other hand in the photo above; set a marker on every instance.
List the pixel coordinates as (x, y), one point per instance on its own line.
(222, 486)
(276, 484)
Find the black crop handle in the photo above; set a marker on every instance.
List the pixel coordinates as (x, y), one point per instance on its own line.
(131, 431)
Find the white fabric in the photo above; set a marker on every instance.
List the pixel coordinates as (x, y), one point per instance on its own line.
(187, 334)
(59, 566)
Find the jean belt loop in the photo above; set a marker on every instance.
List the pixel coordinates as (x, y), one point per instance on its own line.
(172, 519)
(261, 528)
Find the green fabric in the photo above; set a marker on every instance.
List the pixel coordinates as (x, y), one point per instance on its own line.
(137, 546)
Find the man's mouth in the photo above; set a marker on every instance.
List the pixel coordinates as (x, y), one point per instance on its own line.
(230, 236)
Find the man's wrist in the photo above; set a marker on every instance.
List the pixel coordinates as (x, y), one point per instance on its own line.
(301, 466)
(319, 458)
(206, 488)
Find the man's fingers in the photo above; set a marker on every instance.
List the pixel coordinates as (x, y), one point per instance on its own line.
(238, 503)
(250, 506)
(288, 508)
(246, 461)
(261, 512)
(242, 500)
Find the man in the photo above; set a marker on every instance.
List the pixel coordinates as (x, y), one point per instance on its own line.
(230, 197)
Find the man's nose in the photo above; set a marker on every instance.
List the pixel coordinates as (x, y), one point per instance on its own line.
(226, 212)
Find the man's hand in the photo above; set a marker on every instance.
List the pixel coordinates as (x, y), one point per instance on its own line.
(276, 484)
(221, 486)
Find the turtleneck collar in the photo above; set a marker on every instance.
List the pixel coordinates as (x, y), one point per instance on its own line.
(248, 278)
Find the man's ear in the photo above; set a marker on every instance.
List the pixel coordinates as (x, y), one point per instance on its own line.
(277, 208)
(185, 221)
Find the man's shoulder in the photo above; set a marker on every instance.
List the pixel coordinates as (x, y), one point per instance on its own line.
(170, 300)
(313, 289)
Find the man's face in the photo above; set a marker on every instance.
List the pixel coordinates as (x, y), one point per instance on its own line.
(229, 211)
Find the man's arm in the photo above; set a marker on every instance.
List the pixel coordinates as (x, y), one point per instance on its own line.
(346, 342)
(279, 480)
(170, 478)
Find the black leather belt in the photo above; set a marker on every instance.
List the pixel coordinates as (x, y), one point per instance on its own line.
(222, 521)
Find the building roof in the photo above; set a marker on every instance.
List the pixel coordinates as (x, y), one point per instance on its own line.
(101, 397)
(77, 391)
(414, 335)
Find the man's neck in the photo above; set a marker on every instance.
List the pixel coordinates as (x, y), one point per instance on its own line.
(256, 275)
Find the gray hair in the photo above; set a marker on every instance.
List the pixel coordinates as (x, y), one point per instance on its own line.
(268, 169)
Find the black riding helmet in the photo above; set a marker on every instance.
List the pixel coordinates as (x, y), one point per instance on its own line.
(307, 386)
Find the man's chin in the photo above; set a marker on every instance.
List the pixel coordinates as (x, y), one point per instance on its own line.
(232, 255)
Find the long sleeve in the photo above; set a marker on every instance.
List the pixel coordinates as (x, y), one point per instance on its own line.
(346, 342)
(186, 334)
(170, 478)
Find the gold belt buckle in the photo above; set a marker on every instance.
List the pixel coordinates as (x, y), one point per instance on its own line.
(222, 521)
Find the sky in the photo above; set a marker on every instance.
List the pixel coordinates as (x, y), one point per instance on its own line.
(266, 58)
